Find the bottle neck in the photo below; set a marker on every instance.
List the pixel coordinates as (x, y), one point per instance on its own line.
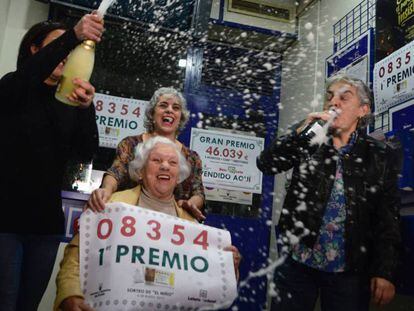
(89, 44)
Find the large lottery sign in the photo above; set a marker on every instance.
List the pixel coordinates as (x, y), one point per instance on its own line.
(393, 79)
(117, 118)
(133, 258)
(229, 160)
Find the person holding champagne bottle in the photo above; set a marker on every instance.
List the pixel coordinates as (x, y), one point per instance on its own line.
(42, 135)
(339, 228)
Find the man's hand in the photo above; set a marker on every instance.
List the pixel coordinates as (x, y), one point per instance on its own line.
(382, 291)
(192, 209)
(82, 94)
(98, 199)
(75, 304)
(89, 27)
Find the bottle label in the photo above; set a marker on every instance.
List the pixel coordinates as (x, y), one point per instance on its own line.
(315, 129)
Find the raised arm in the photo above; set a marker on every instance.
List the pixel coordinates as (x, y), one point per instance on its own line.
(281, 154)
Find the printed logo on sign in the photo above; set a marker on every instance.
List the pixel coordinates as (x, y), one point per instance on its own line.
(100, 292)
(203, 293)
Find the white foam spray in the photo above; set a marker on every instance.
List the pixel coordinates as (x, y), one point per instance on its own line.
(103, 7)
(321, 132)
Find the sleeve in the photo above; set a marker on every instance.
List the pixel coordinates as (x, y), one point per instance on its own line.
(196, 173)
(68, 280)
(86, 138)
(283, 153)
(119, 168)
(387, 231)
(39, 66)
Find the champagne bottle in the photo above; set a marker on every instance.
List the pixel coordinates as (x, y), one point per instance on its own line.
(78, 65)
(316, 127)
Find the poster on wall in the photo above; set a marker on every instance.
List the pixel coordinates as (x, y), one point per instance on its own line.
(393, 79)
(402, 116)
(405, 18)
(392, 28)
(228, 196)
(359, 70)
(229, 160)
(132, 258)
(353, 60)
(118, 117)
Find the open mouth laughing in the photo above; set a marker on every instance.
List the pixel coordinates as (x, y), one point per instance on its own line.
(163, 177)
(167, 120)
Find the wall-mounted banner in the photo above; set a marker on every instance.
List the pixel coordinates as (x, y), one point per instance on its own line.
(229, 160)
(402, 117)
(405, 18)
(352, 60)
(133, 258)
(229, 196)
(117, 118)
(394, 79)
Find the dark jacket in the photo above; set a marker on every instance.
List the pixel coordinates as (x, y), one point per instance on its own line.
(370, 173)
(39, 136)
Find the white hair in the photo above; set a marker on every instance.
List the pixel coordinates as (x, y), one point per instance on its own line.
(143, 150)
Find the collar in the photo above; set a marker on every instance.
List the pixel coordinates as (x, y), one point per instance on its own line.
(350, 144)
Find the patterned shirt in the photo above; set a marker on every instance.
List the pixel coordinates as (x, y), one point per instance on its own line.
(125, 153)
(328, 253)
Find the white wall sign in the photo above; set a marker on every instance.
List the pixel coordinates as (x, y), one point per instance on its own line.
(359, 70)
(229, 196)
(117, 118)
(393, 79)
(229, 160)
(352, 60)
(133, 258)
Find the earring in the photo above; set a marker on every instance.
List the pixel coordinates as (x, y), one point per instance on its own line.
(139, 175)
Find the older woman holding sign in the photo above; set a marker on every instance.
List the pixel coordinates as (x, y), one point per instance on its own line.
(165, 116)
(161, 167)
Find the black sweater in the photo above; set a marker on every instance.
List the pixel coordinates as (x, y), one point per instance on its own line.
(39, 136)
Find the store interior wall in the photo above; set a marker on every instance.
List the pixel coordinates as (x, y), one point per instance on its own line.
(16, 17)
(4, 9)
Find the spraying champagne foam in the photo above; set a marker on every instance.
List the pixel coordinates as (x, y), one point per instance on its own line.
(103, 7)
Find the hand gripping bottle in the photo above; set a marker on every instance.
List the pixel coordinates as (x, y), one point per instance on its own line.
(78, 65)
(316, 127)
